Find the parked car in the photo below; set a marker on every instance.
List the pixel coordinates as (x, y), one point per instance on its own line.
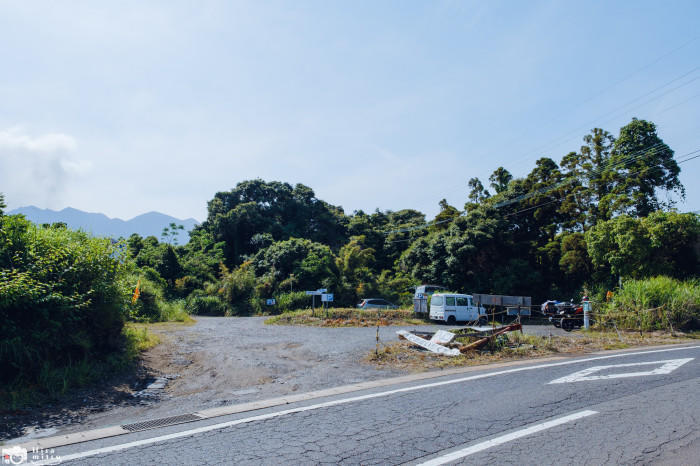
(376, 303)
(453, 308)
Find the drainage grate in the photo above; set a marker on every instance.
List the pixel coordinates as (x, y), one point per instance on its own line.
(166, 421)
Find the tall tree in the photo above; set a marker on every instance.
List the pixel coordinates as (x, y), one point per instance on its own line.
(283, 211)
(587, 180)
(641, 165)
(499, 179)
(477, 192)
(446, 214)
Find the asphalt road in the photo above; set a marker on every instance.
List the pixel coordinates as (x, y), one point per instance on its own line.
(644, 410)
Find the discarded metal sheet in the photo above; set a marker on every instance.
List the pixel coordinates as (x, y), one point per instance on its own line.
(442, 337)
(427, 344)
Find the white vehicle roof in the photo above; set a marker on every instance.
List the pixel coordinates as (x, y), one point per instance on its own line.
(459, 295)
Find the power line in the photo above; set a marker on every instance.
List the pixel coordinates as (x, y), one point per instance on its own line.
(630, 174)
(619, 164)
(558, 141)
(599, 119)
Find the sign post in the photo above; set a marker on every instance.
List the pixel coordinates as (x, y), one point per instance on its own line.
(586, 310)
(313, 295)
(325, 299)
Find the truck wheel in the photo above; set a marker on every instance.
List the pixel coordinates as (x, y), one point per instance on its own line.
(483, 321)
(567, 324)
(451, 320)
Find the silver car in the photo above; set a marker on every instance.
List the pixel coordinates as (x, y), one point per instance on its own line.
(376, 303)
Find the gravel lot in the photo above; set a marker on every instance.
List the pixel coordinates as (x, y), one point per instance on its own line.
(223, 360)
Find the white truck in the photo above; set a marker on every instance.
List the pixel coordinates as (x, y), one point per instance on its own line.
(453, 308)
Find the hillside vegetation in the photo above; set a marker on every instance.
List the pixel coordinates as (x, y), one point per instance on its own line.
(600, 215)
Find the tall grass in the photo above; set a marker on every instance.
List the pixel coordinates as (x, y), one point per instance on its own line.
(657, 303)
(54, 381)
(173, 311)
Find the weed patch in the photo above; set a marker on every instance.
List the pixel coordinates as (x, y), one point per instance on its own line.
(346, 317)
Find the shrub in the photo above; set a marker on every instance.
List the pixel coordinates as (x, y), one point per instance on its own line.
(63, 297)
(293, 301)
(147, 306)
(238, 290)
(205, 305)
(173, 311)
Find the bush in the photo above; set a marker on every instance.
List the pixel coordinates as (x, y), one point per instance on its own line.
(173, 311)
(654, 303)
(63, 297)
(147, 306)
(238, 290)
(293, 301)
(205, 305)
(152, 306)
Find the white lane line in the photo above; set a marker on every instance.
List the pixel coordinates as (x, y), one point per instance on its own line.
(533, 429)
(327, 404)
(668, 366)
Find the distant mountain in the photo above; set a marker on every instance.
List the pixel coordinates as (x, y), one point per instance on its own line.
(149, 224)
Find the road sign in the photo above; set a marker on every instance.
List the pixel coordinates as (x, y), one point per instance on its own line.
(327, 297)
(271, 302)
(314, 293)
(322, 290)
(666, 367)
(419, 296)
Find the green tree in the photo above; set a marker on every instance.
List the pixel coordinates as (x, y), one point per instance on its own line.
(312, 265)
(499, 179)
(445, 216)
(641, 166)
(477, 192)
(171, 233)
(255, 207)
(664, 243)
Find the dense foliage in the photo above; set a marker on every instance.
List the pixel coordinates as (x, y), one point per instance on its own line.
(599, 215)
(63, 297)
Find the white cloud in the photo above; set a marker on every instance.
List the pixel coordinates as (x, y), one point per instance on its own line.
(16, 139)
(37, 169)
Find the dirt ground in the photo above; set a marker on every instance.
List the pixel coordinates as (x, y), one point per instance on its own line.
(219, 361)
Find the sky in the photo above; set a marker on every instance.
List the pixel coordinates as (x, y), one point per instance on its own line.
(129, 107)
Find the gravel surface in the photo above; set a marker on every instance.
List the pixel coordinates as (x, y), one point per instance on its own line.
(220, 361)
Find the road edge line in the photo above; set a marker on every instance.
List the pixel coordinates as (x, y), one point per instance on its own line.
(113, 431)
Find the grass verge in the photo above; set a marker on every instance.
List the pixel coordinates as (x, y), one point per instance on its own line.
(403, 355)
(346, 317)
(54, 382)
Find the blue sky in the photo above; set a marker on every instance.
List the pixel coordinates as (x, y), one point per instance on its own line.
(128, 107)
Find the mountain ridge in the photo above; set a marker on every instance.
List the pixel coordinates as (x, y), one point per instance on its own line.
(147, 224)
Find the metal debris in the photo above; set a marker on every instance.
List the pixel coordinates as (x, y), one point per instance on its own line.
(443, 337)
(427, 344)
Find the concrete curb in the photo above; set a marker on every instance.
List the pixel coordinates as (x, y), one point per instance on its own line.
(96, 434)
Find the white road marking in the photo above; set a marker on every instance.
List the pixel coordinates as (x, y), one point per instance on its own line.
(262, 417)
(533, 429)
(668, 366)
